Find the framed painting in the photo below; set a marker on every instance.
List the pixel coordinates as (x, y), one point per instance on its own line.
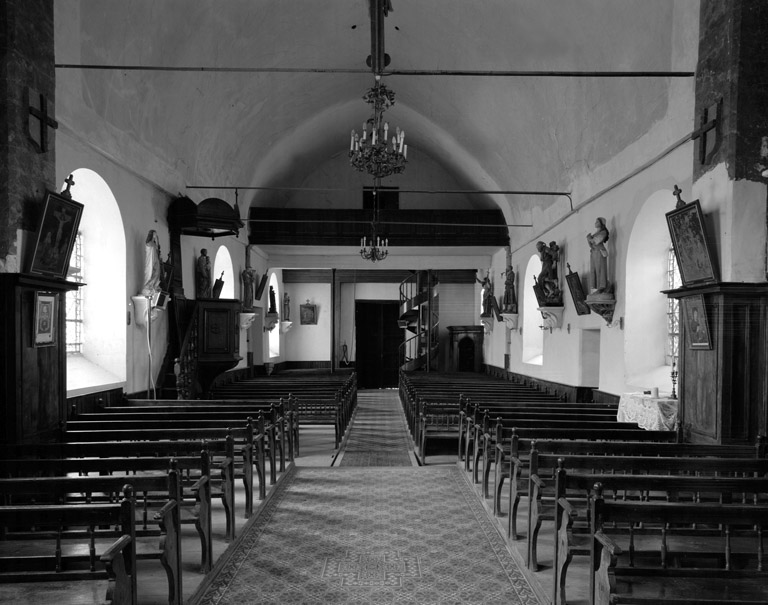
(496, 309)
(45, 318)
(262, 286)
(694, 257)
(577, 292)
(56, 236)
(308, 314)
(696, 325)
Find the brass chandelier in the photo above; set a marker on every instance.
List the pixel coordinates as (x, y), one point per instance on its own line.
(373, 151)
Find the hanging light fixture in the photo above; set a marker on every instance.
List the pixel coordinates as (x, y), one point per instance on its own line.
(373, 151)
(374, 248)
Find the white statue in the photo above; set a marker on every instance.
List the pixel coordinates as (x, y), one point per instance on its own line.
(152, 266)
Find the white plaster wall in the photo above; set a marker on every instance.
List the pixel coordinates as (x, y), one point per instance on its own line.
(308, 342)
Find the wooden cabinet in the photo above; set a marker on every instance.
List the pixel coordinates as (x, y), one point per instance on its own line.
(33, 376)
(723, 390)
(218, 325)
(466, 348)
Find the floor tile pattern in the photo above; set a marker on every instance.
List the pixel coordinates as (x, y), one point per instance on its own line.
(378, 435)
(370, 535)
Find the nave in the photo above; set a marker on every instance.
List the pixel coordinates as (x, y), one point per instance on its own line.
(393, 534)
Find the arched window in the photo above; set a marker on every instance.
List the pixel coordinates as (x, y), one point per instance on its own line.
(533, 335)
(222, 269)
(650, 325)
(274, 333)
(96, 350)
(673, 308)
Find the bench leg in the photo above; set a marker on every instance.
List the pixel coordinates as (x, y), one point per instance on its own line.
(499, 484)
(486, 471)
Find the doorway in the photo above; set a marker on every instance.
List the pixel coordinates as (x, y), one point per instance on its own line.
(377, 343)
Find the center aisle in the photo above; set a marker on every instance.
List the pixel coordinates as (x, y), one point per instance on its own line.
(370, 535)
(379, 434)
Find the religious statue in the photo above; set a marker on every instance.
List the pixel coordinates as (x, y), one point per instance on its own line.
(598, 258)
(548, 281)
(152, 267)
(509, 302)
(204, 275)
(249, 279)
(272, 302)
(487, 285)
(286, 307)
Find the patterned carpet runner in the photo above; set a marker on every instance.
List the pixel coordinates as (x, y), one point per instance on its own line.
(379, 434)
(369, 535)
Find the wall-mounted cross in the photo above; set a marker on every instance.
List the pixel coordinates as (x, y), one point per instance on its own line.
(39, 120)
(710, 116)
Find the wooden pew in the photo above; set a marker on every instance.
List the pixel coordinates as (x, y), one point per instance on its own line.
(159, 493)
(615, 583)
(160, 431)
(145, 456)
(117, 564)
(194, 505)
(484, 440)
(473, 413)
(316, 399)
(438, 422)
(544, 466)
(572, 530)
(512, 460)
(269, 420)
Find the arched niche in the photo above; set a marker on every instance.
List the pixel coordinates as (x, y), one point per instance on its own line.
(102, 360)
(533, 335)
(223, 269)
(645, 322)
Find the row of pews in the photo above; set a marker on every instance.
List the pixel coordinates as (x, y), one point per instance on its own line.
(316, 398)
(627, 515)
(121, 484)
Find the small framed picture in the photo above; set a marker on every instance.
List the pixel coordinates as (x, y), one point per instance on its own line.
(696, 325)
(45, 318)
(56, 236)
(689, 240)
(308, 314)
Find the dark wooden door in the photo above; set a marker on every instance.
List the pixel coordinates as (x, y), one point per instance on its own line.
(377, 343)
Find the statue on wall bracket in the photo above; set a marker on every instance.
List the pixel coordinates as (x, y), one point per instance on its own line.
(601, 298)
(546, 285)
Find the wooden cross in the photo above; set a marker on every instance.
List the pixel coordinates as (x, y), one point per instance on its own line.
(40, 120)
(705, 125)
(69, 181)
(676, 192)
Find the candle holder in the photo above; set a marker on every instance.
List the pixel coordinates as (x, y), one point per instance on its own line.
(673, 375)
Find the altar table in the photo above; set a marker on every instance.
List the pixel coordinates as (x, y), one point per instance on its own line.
(650, 413)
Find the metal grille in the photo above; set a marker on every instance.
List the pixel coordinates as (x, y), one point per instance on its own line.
(673, 308)
(75, 299)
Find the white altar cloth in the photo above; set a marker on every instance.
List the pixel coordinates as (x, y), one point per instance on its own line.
(650, 413)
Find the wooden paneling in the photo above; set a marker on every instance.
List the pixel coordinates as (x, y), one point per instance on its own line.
(344, 227)
(32, 379)
(723, 390)
(372, 276)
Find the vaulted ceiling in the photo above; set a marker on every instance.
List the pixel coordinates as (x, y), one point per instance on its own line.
(287, 76)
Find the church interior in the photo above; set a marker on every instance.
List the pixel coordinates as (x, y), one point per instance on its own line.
(349, 220)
